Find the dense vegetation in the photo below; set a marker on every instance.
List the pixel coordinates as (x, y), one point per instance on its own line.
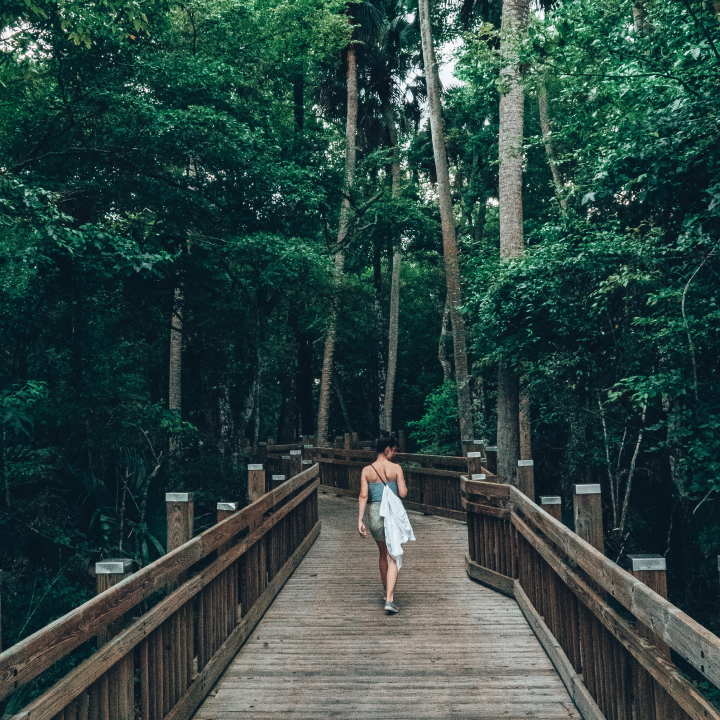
(183, 166)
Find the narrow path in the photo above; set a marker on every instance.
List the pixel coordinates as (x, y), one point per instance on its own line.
(326, 649)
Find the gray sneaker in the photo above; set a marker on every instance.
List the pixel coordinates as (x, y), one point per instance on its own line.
(391, 607)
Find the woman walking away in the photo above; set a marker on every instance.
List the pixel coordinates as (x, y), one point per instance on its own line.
(375, 479)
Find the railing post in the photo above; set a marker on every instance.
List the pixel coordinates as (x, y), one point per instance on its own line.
(108, 573)
(355, 441)
(588, 515)
(256, 482)
(180, 518)
(526, 478)
(401, 441)
(120, 685)
(225, 510)
(271, 441)
(295, 462)
(307, 451)
(286, 465)
(491, 452)
(652, 571)
(277, 480)
(475, 460)
(552, 505)
(347, 440)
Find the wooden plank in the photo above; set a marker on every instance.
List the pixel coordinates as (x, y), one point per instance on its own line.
(492, 579)
(87, 672)
(326, 648)
(484, 509)
(664, 672)
(683, 634)
(578, 692)
(488, 489)
(212, 671)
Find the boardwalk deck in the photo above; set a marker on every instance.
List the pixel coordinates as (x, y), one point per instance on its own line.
(326, 649)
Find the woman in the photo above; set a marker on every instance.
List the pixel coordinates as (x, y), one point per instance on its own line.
(372, 483)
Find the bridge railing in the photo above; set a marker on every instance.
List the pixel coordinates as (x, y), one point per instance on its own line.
(168, 631)
(433, 480)
(608, 634)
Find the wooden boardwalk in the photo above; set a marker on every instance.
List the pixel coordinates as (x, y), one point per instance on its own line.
(325, 648)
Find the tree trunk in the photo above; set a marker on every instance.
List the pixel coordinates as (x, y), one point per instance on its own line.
(226, 443)
(379, 335)
(343, 227)
(514, 21)
(547, 139)
(386, 420)
(343, 407)
(525, 434)
(452, 267)
(444, 332)
(175, 374)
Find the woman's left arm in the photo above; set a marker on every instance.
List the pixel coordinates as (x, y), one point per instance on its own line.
(362, 501)
(402, 487)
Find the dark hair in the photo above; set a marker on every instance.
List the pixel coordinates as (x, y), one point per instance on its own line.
(383, 442)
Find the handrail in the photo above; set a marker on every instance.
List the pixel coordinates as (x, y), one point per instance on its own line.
(613, 664)
(223, 583)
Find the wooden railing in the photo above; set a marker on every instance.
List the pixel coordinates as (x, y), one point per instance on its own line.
(160, 663)
(433, 480)
(608, 634)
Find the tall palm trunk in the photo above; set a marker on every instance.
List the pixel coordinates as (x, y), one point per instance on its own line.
(514, 22)
(343, 227)
(549, 149)
(386, 420)
(175, 374)
(452, 267)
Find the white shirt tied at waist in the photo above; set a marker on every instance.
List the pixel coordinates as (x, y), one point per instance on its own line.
(397, 525)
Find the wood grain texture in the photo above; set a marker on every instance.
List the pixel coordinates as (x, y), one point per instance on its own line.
(492, 579)
(326, 649)
(688, 638)
(592, 605)
(584, 701)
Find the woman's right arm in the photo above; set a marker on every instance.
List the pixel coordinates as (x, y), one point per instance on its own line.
(402, 487)
(362, 501)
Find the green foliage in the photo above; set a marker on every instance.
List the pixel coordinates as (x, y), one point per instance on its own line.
(438, 430)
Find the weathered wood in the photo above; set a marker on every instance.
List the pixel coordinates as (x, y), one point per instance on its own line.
(526, 478)
(683, 634)
(488, 489)
(574, 684)
(87, 620)
(326, 648)
(490, 510)
(552, 505)
(492, 579)
(666, 674)
(587, 505)
(256, 481)
(204, 682)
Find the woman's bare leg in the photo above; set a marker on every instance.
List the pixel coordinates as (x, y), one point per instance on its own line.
(392, 573)
(382, 561)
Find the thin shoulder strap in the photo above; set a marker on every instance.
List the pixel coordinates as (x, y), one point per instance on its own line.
(378, 474)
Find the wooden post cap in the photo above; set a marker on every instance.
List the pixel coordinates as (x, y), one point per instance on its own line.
(550, 500)
(262, 442)
(278, 477)
(308, 447)
(525, 463)
(369, 448)
(647, 562)
(285, 457)
(591, 489)
(307, 462)
(179, 497)
(296, 452)
(256, 466)
(475, 455)
(491, 448)
(231, 506)
(477, 476)
(113, 566)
